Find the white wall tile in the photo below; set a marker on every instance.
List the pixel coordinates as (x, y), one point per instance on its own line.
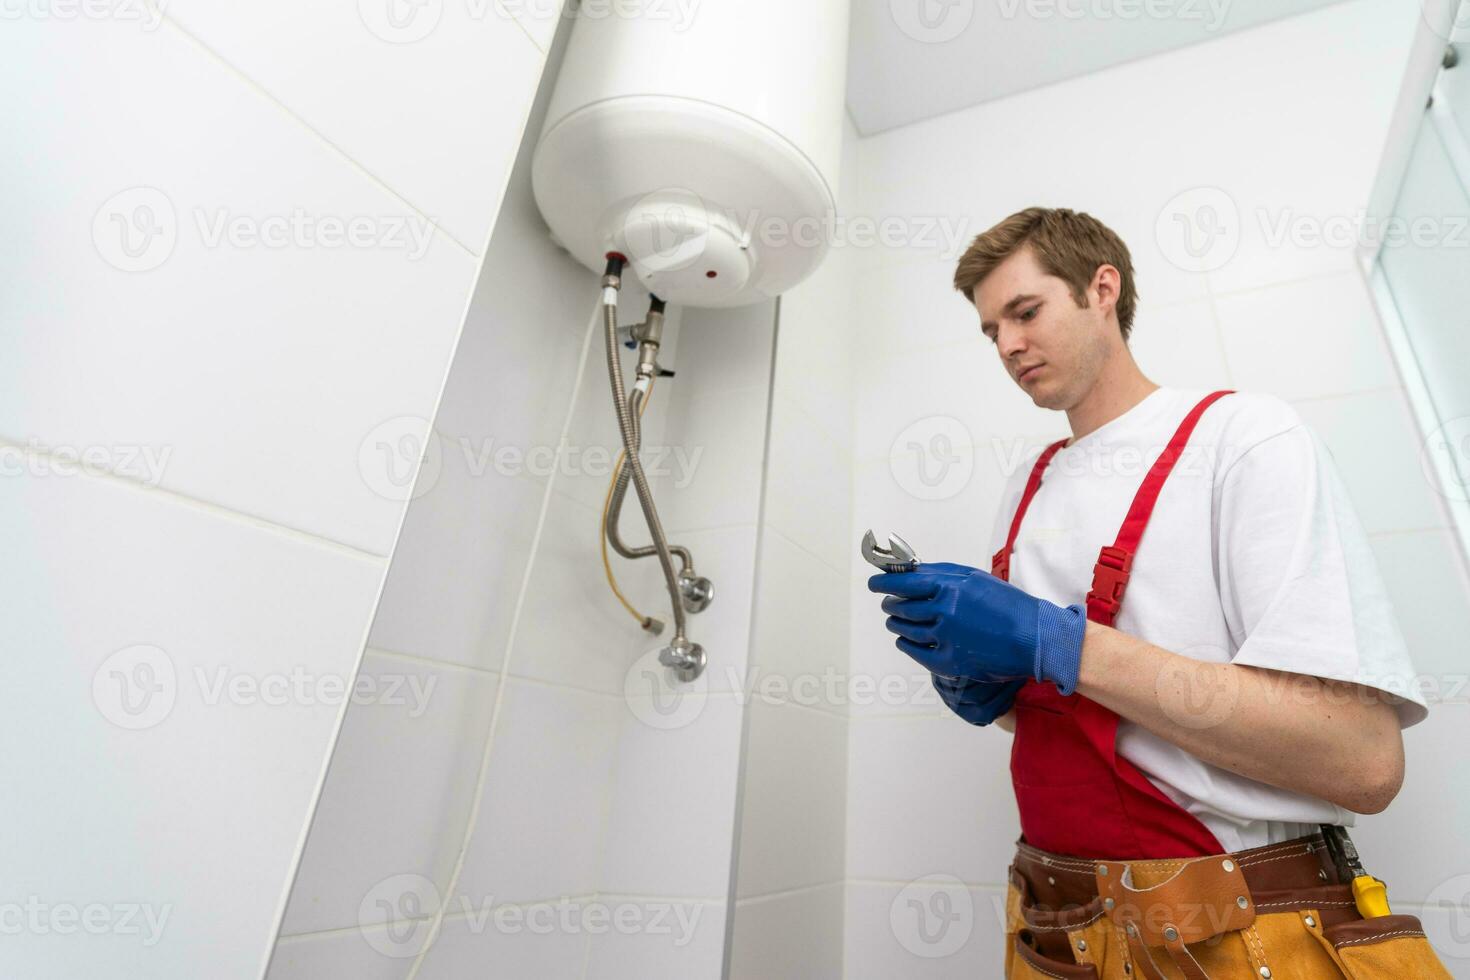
(1305, 339)
(796, 935)
(433, 104)
(1435, 857)
(96, 568)
(1444, 923)
(476, 946)
(337, 956)
(795, 800)
(269, 375)
(809, 486)
(400, 783)
(815, 350)
(941, 774)
(1179, 345)
(909, 306)
(1195, 120)
(572, 629)
(672, 821)
(539, 18)
(724, 350)
(801, 618)
(456, 574)
(672, 940)
(545, 797)
(896, 931)
(1426, 582)
(711, 465)
(1376, 446)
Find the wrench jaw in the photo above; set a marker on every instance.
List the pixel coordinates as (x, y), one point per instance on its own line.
(899, 556)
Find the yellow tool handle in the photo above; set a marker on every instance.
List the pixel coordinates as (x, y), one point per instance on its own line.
(1371, 896)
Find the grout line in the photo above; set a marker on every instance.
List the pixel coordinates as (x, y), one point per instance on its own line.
(559, 686)
(1338, 395)
(788, 892)
(925, 880)
(472, 819)
(1395, 532)
(135, 485)
(510, 16)
(843, 572)
(428, 661)
(159, 9)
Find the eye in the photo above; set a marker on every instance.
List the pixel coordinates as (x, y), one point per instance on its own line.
(1029, 314)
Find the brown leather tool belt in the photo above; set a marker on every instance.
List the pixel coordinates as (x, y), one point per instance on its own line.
(1176, 901)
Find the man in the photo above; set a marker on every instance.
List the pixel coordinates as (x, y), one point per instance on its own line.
(1234, 679)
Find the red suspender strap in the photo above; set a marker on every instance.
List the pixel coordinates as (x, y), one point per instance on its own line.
(1000, 562)
(1115, 561)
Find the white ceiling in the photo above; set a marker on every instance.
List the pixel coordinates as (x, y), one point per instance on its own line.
(913, 59)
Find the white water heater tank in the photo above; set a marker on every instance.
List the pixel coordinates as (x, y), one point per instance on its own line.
(701, 140)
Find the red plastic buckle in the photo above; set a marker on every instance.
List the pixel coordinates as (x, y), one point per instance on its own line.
(1000, 564)
(1109, 580)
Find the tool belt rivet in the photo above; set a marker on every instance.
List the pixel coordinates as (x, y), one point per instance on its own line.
(1311, 922)
(1102, 869)
(1108, 904)
(1266, 972)
(1170, 933)
(1242, 902)
(1228, 864)
(1082, 945)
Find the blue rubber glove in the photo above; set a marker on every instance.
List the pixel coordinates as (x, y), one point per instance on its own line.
(965, 623)
(978, 702)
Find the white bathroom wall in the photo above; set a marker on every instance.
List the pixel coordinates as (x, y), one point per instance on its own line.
(1277, 127)
(547, 783)
(227, 291)
(791, 867)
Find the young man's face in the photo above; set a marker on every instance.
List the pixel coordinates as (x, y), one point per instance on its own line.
(1051, 347)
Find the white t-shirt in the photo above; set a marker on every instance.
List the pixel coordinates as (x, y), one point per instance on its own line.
(1253, 555)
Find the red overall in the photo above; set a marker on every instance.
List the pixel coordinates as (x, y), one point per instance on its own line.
(1076, 794)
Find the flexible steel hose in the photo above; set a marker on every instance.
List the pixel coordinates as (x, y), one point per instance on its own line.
(627, 426)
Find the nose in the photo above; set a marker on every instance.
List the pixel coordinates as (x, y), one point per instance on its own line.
(1010, 341)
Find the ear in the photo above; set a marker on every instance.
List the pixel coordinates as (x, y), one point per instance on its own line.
(1107, 281)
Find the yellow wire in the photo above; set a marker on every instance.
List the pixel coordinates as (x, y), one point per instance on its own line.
(612, 579)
